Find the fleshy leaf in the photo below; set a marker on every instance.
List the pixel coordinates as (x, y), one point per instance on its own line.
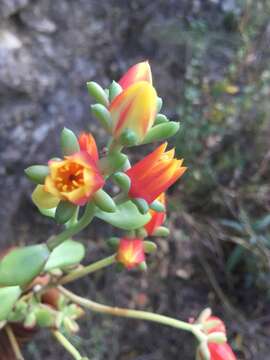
(68, 253)
(126, 217)
(8, 296)
(21, 265)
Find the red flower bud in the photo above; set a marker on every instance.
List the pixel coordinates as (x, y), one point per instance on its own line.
(130, 252)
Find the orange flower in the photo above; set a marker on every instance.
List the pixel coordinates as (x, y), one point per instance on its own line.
(135, 109)
(154, 174)
(88, 144)
(157, 218)
(74, 179)
(130, 252)
(138, 72)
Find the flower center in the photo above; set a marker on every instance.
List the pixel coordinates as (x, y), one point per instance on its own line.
(69, 177)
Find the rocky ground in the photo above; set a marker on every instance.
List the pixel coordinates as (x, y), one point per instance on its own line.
(48, 51)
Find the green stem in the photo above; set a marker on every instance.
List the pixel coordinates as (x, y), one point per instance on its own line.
(14, 343)
(195, 329)
(67, 345)
(76, 274)
(74, 229)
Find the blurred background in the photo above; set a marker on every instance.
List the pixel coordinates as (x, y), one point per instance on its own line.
(210, 62)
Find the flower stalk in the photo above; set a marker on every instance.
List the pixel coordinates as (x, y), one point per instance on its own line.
(86, 270)
(67, 345)
(84, 221)
(14, 343)
(195, 329)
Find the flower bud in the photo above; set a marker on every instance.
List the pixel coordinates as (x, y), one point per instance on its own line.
(130, 252)
(138, 72)
(134, 109)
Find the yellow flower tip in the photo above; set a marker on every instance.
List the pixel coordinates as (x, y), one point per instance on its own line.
(136, 73)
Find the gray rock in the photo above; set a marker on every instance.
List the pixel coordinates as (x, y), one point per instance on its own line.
(11, 7)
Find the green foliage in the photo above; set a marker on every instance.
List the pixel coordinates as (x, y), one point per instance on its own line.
(224, 141)
(126, 217)
(20, 266)
(69, 253)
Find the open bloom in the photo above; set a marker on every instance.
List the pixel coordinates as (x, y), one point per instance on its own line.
(218, 351)
(157, 218)
(137, 72)
(74, 179)
(154, 174)
(135, 109)
(130, 252)
(88, 144)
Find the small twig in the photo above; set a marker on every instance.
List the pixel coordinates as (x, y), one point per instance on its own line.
(67, 345)
(14, 343)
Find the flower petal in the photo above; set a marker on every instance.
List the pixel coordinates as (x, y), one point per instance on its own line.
(43, 199)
